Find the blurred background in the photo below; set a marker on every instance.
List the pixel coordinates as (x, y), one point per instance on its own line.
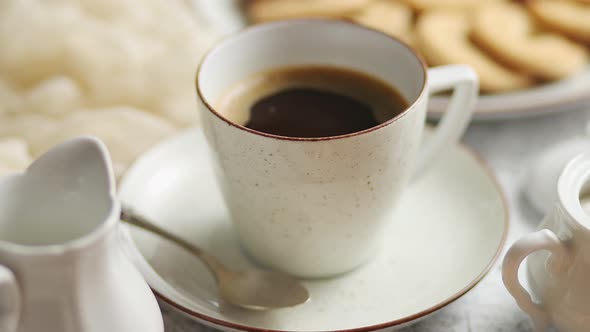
(123, 70)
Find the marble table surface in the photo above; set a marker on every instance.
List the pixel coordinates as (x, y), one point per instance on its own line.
(507, 147)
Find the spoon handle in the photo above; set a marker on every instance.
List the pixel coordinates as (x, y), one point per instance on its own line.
(132, 218)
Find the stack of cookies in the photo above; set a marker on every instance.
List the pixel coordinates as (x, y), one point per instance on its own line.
(511, 44)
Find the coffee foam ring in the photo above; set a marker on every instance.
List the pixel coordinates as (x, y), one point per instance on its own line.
(272, 10)
(567, 17)
(507, 32)
(443, 38)
(422, 5)
(392, 18)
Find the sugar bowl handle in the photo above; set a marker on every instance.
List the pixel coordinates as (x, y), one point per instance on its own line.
(465, 85)
(10, 301)
(541, 240)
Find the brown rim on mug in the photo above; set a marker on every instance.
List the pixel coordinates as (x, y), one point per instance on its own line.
(271, 25)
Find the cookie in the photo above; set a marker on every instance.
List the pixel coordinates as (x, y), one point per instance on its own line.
(391, 17)
(568, 17)
(443, 38)
(508, 32)
(272, 10)
(422, 5)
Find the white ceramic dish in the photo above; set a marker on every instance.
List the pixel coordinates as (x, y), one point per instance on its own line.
(444, 239)
(569, 94)
(60, 266)
(558, 266)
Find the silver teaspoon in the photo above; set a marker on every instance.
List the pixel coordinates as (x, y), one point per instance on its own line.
(254, 290)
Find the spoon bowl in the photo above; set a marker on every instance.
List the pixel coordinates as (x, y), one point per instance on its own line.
(261, 290)
(253, 290)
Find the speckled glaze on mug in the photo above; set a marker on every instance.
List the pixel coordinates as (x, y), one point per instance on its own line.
(314, 207)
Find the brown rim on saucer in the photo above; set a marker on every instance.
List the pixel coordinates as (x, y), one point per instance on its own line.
(270, 25)
(479, 160)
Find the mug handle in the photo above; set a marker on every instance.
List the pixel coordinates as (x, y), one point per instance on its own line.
(10, 301)
(540, 240)
(465, 84)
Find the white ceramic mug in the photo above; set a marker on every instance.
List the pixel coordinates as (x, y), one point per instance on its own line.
(314, 207)
(559, 262)
(61, 266)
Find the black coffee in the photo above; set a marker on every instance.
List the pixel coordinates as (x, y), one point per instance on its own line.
(310, 112)
(311, 102)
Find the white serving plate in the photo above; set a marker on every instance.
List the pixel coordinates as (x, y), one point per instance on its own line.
(225, 17)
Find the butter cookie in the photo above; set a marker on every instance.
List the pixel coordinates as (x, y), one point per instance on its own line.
(443, 38)
(391, 17)
(568, 17)
(422, 5)
(272, 10)
(507, 32)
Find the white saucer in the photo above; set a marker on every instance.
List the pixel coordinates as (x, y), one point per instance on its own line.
(449, 229)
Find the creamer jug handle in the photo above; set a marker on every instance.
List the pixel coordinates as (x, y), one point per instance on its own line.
(541, 240)
(10, 301)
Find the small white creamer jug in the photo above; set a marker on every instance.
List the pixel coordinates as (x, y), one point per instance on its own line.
(559, 262)
(61, 265)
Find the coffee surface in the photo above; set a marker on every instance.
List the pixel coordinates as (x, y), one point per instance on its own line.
(311, 102)
(306, 112)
